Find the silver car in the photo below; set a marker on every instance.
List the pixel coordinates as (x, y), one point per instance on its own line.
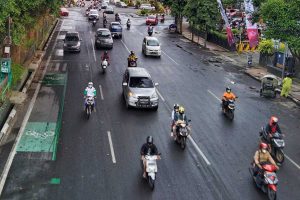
(103, 39)
(72, 41)
(138, 89)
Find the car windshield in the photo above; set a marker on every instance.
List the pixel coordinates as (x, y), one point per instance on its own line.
(72, 38)
(140, 82)
(153, 43)
(105, 34)
(151, 17)
(116, 26)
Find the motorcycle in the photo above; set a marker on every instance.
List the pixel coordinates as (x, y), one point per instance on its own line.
(104, 65)
(117, 18)
(229, 109)
(89, 105)
(151, 169)
(269, 181)
(86, 13)
(150, 32)
(128, 25)
(104, 23)
(162, 20)
(182, 132)
(277, 145)
(132, 63)
(94, 22)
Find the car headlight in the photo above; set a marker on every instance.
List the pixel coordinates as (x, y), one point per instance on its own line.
(154, 95)
(131, 94)
(78, 44)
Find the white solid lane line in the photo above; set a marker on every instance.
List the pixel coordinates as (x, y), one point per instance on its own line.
(293, 162)
(199, 150)
(94, 52)
(170, 57)
(125, 46)
(101, 92)
(210, 92)
(112, 152)
(160, 95)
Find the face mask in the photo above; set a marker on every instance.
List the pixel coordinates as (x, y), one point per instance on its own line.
(264, 150)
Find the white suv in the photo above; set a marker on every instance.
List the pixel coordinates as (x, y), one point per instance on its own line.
(151, 46)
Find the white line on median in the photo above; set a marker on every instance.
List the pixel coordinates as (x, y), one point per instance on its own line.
(199, 150)
(293, 162)
(160, 95)
(170, 57)
(125, 46)
(101, 92)
(94, 52)
(210, 92)
(111, 147)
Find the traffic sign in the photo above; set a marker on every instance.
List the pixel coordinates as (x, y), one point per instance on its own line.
(5, 65)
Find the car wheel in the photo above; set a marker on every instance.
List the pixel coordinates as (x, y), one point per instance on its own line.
(155, 108)
(120, 36)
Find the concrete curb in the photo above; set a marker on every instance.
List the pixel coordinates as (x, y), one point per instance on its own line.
(296, 101)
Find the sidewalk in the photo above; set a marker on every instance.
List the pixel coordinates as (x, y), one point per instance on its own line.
(256, 72)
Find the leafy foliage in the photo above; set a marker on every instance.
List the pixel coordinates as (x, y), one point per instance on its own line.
(283, 22)
(266, 47)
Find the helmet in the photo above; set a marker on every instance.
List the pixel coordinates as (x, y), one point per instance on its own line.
(105, 52)
(228, 89)
(131, 52)
(149, 140)
(90, 85)
(263, 145)
(181, 110)
(273, 120)
(176, 106)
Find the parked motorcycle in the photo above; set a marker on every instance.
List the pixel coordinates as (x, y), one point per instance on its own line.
(182, 132)
(151, 169)
(277, 145)
(268, 184)
(89, 105)
(104, 65)
(229, 109)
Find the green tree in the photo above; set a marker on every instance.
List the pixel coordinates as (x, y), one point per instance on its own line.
(204, 14)
(177, 8)
(283, 22)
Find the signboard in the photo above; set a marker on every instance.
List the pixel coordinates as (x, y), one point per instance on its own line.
(5, 65)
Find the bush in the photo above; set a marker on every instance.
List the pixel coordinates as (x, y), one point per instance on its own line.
(138, 3)
(159, 7)
(17, 73)
(218, 35)
(266, 47)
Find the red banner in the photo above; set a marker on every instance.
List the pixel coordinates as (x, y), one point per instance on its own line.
(252, 33)
(230, 37)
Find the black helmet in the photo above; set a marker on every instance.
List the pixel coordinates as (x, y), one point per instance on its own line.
(176, 106)
(149, 140)
(131, 52)
(228, 89)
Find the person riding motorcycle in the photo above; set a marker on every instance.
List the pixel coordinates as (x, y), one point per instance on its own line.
(105, 56)
(117, 17)
(261, 157)
(179, 118)
(271, 128)
(104, 19)
(148, 148)
(227, 95)
(131, 57)
(89, 91)
(128, 22)
(150, 28)
(174, 112)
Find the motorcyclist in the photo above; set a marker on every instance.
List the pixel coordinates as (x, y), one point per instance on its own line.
(174, 112)
(262, 157)
(105, 56)
(148, 148)
(179, 117)
(150, 28)
(128, 22)
(89, 91)
(104, 19)
(131, 57)
(271, 128)
(227, 95)
(162, 18)
(117, 17)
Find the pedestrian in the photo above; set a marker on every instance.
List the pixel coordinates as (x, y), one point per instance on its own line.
(286, 86)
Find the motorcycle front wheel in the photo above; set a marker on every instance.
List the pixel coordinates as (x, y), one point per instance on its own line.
(230, 114)
(183, 143)
(279, 155)
(271, 194)
(151, 182)
(88, 112)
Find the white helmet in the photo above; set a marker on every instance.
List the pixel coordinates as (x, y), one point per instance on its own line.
(90, 85)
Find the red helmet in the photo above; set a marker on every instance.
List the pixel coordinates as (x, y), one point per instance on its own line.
(263, 145)
(273, 120)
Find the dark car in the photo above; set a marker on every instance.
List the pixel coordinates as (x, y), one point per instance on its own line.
(72, 41)
(103, 38)
(104, 5)
(109, 10)
(116, 29)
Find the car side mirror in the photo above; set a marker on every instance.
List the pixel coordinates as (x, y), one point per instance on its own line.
(124, 84)
(156, 84)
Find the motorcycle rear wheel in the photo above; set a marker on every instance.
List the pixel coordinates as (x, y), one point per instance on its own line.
(279, 156)
(151, 183)
(230, 115)
(271, 194)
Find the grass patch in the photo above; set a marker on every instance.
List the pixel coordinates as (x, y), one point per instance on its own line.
(17, 73)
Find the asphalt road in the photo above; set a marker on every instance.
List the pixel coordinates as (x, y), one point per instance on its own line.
(84, 162)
